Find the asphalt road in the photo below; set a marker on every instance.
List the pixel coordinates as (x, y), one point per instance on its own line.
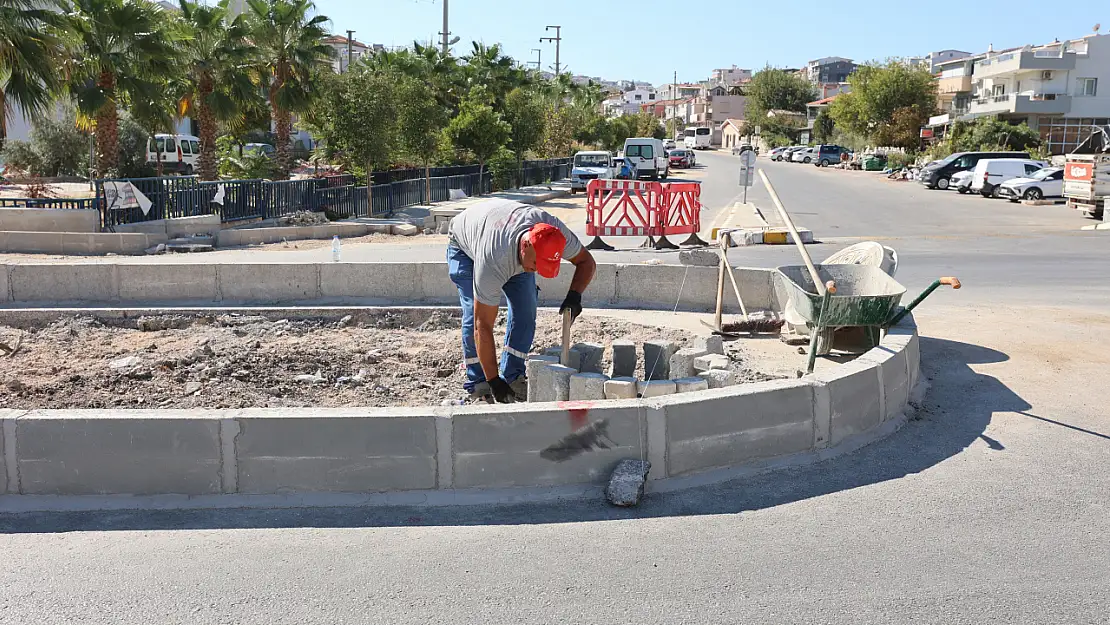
(991, 506)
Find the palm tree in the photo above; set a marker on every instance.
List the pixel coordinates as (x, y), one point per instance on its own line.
(29, 54)
(124, 51)
(215, 60)
(290, 48)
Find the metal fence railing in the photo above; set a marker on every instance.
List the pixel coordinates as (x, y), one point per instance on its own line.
(186, 196)
(48, 202)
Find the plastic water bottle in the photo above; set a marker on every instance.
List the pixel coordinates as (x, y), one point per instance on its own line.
(335, 249)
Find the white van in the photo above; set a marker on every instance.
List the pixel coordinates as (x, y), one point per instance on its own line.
(697, 138)
(989, 174)
(180, 153)
(648, 156)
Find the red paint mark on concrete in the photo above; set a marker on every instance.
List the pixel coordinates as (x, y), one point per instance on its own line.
(579, 412)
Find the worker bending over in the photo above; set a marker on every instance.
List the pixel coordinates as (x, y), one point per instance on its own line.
(497, 246)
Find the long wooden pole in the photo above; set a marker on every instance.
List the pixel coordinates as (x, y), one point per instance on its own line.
(818, 284)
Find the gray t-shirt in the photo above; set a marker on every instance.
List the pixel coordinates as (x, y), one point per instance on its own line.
(489, 233)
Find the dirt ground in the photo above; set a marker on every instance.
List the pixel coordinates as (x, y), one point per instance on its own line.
(232, 361)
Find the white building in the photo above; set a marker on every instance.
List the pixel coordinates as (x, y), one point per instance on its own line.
(339, 57)
(933, 59)
(640, 95)
(730, 76)
(1060, 89)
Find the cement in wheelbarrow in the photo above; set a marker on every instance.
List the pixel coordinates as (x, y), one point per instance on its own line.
(865, 295)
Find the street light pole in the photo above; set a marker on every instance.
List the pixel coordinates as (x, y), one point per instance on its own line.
(674, 105)
(539, 59)
(446, 32)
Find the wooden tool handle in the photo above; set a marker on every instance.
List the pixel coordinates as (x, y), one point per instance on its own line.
(567, 320)
(830, 286)
(817, 284)
(951, 281)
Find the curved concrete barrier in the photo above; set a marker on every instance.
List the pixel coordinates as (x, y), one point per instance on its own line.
(366, 450)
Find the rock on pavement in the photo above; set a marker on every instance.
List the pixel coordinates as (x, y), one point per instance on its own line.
(626, 484)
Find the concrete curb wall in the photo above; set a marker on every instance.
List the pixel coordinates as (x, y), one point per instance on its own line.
(78, 243)
(49, 220)
(176, 227)
(149, 284)
(364, 450)
(277, 234)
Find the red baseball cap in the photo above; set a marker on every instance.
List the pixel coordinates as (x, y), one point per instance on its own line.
(549, 244)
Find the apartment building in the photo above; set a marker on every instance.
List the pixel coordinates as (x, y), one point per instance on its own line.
(1059, 89)
(730, 76)
(829, 69)
(340, 59)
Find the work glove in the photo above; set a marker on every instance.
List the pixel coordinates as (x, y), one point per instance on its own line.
(573, 303)
(502, 392)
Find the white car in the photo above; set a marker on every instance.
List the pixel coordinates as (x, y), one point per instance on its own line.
(803, 156)
(1047, 182)
(589, 166)
(669, 144)
(179, 153)
(961, 181)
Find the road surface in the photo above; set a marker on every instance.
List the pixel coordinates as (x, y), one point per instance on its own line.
(992, 506)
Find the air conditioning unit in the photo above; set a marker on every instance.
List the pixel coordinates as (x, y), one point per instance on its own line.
(1046, 75)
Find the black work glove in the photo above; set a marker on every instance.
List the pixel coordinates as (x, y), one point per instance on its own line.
(502, 392)
(573, 303)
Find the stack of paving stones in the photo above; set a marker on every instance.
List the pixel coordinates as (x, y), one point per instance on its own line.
(668, 370)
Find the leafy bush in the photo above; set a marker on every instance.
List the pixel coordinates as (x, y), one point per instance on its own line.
(897, 160)
(21, 155)
(132, 149)
(503, 168)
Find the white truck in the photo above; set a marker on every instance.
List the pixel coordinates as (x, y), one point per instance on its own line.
(1087, 175)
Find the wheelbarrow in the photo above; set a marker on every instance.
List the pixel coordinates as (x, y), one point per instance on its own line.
(855, 296)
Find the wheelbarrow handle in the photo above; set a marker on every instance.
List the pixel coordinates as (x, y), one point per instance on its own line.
(830, 286)
(949, 280)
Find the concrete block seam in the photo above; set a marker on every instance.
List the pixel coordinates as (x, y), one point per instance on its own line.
(229, 459)
(822, 414)
(319, 279)
(882, 392)
(115, 292)
(11, 460)
(219, 291)
(9, 291)
(445, 452)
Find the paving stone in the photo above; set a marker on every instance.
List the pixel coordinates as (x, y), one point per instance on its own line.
(621, 388)
(710, 361)
(587, 386)
(690, 385)
(656, 388)
(657, 359)
(591, 355)
(624, 359)
(536, 392)
(718, 378)
(682, 362)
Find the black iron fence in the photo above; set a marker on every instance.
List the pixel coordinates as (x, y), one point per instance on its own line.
(237, 200)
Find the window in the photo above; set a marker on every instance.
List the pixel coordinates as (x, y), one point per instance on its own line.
(1086, 86)
(639, 97)
(171, 145)
(195, 146)
(651, 96)
(1030, 168)
(642, 151)
(185, 147)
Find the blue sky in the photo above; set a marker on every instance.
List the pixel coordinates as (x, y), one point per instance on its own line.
(649, 39)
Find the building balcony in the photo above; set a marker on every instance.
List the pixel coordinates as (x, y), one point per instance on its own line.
(1013, 62)
(1041, 103)
(955, 84)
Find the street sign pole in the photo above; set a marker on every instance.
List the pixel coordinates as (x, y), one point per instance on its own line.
(747, 171)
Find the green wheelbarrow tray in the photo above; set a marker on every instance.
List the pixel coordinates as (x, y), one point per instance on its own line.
(865, 295)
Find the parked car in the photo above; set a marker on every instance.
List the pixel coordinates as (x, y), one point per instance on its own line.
(788, 153)
(179, 152)
(1047, 182)
(776, 154)
(681, 157)
(940, 175)
(826, 155)
(589, 166)
(740, 149)
(961, 181)
(990, 173)
(669, 144)
(263, 148)
(804, 155)
(647, 156)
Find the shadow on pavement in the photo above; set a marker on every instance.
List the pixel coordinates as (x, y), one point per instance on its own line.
(954, 414)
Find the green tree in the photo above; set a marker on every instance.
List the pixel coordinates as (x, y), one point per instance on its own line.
(124, 48)
(421, 123)
(30, 55)
(877, 92)
(156, 111)
(990, 133)
(823, 127)
(57, 148)
(215, 59)
(904, 128)
(525, 115)
(289, 45)
(361, 123)
(773, 89)
(480, 130)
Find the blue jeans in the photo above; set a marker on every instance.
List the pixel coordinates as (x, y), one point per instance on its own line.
(523, 297)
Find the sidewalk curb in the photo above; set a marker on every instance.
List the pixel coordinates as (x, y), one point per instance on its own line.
(443, 212)
(1102, 226)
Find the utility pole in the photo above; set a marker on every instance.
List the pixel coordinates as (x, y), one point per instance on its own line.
(446, 31)
(557, 39)
(350, 52)
(539, 59)
(674, 103)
